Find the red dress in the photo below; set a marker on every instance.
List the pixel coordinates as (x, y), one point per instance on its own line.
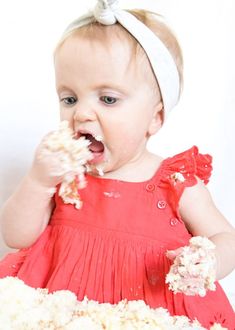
(114, 246)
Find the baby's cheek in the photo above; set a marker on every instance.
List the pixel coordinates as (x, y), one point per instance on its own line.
(66, 114)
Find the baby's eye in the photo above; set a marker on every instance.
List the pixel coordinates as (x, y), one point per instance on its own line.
(108, 99)
(70, 100)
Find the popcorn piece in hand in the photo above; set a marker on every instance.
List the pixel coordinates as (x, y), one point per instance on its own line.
(74, 156)
(194, 268)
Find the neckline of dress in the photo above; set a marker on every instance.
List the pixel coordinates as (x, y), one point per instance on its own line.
(157, 175)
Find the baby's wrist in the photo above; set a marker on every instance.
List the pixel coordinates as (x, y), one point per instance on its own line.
(38, 186)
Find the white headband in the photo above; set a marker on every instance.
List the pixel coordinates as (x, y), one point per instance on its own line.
(107, 12)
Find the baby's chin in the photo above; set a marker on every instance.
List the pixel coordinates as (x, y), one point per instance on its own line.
(96, 168)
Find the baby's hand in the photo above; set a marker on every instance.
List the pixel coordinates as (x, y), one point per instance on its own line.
(194, 267)
(172, 254)
(47, 168)
(61, 159)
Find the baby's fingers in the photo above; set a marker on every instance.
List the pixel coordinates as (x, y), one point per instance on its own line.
(172, 254)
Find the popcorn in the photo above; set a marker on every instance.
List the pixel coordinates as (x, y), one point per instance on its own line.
(100, 170)
(26, 308)
(73, 155)
(193, 271)
(216, 326)
(177, 177)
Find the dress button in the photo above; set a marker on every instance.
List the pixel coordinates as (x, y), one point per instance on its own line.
(161, 204)
(174, 221)
(150, 187)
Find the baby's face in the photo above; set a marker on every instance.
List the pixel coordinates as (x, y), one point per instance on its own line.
(106, 95)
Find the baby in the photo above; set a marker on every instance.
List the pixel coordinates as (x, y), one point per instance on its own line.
(118, 74)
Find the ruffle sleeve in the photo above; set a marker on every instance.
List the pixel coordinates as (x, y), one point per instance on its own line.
(184, 169)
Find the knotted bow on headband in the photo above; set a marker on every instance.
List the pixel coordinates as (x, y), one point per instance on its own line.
(107, 12)
(104, 11)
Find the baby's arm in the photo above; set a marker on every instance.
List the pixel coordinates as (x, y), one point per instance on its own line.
(202, 218)
(26, 213)
(58, 159)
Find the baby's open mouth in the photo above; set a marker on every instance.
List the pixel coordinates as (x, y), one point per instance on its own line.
(96, 147)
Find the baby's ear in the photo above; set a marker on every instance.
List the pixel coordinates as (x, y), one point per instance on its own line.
(157, 119)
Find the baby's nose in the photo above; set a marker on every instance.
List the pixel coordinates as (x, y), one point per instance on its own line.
(84, 112)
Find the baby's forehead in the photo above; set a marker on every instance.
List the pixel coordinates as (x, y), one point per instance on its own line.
(110, 46)
(109, 38)
(113, 41)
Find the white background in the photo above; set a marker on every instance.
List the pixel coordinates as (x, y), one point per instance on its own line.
(29, 31)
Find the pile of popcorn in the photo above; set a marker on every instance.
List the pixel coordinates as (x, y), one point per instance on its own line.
(73, 156)
(26, 308)
(194, 268)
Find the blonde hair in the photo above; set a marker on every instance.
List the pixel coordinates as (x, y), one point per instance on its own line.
(155, 22)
